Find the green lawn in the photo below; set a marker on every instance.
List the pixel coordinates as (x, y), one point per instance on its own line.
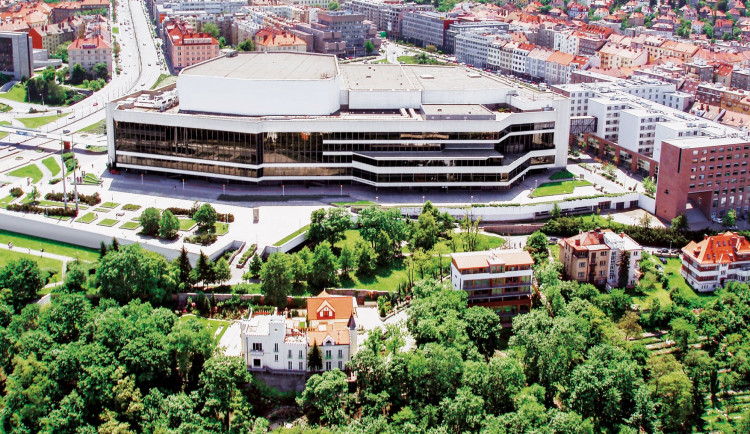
(212, 324)
(561, 174)
(110, 205)
(3, 134)
(131, 207)
(355, 203)
(672, 270)
(116, 30)
(282, 241)
(131, 226)
(39, 120)
(51, 164)
(28, 171)
(107, 222)
(96, 148)
(16, 93)
(87, 218)
(56, 247)
(100, 209)
(384, 279)
(412, 60)
(90, 178)
(95, 128)
(4, 108)
(7, 256)
(186, 224)
(162, 78)
(558, 187)
(4, 202)
(221, 228)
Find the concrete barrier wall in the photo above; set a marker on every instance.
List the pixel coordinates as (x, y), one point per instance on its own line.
(647, 203)
(286, 247)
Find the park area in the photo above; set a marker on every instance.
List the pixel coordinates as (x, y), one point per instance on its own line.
(558, 187)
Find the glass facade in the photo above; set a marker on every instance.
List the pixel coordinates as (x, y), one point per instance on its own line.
(6, 54)
(330, 154)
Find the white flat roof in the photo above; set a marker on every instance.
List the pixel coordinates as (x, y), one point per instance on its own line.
(267, 66)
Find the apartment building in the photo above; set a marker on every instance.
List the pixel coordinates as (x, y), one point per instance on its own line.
(276, 343)
(709, 172)
(475, 27)
(386, 15)
(426, 28)
(16, 55)
(597, 257)
(708, 264)
(50, 36)
(183, 47)
(615, 57)
(90, 51)
(278, 40)
(313, 120)
(66, 10)
(499, 279)
(339, 33)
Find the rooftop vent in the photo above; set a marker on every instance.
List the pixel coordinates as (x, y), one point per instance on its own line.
(427, 76)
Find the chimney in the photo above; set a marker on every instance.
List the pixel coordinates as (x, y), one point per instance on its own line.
(578, 242)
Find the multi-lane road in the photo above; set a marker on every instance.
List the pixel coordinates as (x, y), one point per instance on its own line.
(140, 68)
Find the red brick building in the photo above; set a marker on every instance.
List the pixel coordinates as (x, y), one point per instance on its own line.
(711, 173)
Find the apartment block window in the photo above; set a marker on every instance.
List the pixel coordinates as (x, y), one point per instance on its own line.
(289, 354)
(328, 366)
(257, 346)
(276, 358)
(275, 348)
(341, 353)
(300, 354)
(289, 366)
(580, 274)
(341, 366)
(328, 354)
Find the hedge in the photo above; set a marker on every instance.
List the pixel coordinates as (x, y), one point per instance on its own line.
(29, 208)
(90, 200)
(16, 192)
(657, 237)
(202, 239)
(247, 255)
(228, 218)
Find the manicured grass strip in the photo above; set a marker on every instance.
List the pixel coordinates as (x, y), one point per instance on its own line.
(16, 93)
(131, 207)
(96, 128)
(100, 209)
(221, 228)
(131, 226)
(28, 171)
(58, 218)
(108, 222)
(39, 120)
(116, 30)
(558, 187)
(282, 241)
(4, 108)
(7, 256)
(356, 203)
(110, 205)
(186, 224)
(56, 247)
(87, 218)
(93, 148)
(4, 202)
(561, 174)
(163, 80)
(51, 164)
(90, 178)
(3, 133)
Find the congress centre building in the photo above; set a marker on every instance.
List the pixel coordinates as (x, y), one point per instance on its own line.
(277, 117)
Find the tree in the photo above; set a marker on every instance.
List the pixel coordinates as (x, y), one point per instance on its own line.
(629, 324)
(674, 391)
(221, 380)
(212, 29)
(682, 333)
(256, 265)
(328, 225)
(649, 185)
(680, 223)
(708, 30)
(76, 277)
(323, 268)
(115, 246)
(24, 280)
(132, 273)
(484, 329)
(204, 270)
(191, 344)
(222, 272)
(470, 233)
(538, 246)
(464, 412)
(184, 268)
(333, 6)
(149, 220)
(206, 217)
(102, 249)
(346, 260)
(556, 211)
(645, 220)
(169, 225)
(323, 398)
(276, 280)
(369, 47)
(623, 276)
(100, 71)
(385, 230)
(729, 219)
(77, 74)
(246, 45)
(314, 358)
(366, 258)
(425, 232)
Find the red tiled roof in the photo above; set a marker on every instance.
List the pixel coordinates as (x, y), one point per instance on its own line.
(85, 43)
(719, 249)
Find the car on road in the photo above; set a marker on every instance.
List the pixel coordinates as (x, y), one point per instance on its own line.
(149, 64)
(143, 84)
(66, 131)
(72, 116)
(95, 104)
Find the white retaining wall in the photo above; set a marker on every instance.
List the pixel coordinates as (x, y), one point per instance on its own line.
(289, 245)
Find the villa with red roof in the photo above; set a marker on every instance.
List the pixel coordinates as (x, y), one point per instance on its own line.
(498, 279)
(708, 264)
(597, 256)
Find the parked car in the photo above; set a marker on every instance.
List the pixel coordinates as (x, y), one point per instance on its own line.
(663, 260)
(553, 240)
(66, 131)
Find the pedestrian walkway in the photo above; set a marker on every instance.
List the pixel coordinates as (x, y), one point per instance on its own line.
(63, 259)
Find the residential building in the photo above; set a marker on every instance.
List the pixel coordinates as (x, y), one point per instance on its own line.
(741, 79)
(66, 10)
(426, 28)
(277, 343)
(183, 47)
(386, 15)
(709, 172)
(597, 257)
(616, 57)
(90, 51)
(277, 40)
(312, 119)
(499, 279)
(475, 27)
(50, 36)
(708, 264)
(16, 55)
(340, 33)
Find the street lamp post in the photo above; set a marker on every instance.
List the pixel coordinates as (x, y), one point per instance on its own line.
(223, 188)
(141, 179)
(183, 184)
(282, 190)
(62, 159)
(341, 189)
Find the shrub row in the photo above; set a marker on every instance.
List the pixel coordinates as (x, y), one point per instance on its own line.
(247, 255)
(658, 237)
(228, 218)
(29, 208)
(202, 239)
(131, 207)
(90, 200)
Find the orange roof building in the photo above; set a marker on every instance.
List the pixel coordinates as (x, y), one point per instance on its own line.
(498, 279)
(710, 263)
(597, 256)
(332, 326)
(278, 40)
